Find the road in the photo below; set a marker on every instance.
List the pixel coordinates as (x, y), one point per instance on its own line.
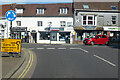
(74, 61)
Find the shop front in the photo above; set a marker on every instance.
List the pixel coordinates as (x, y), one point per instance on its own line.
(113, 33)
(20, 33)
(82, 33)
(54, 36)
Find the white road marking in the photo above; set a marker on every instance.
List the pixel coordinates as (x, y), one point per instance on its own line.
(80, 49)
(74, 48)
(31, 48)
(84, 50)
(61, 48)
(46, 45)
(50, 48)
(105, 60)
(40, 48)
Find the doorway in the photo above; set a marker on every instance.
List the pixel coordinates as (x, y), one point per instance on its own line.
(34, 37)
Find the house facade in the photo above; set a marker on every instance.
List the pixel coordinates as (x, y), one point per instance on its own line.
(92, 18)
(42, 23)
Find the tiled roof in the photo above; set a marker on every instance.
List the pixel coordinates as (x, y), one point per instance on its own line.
(30, 9)
(97, 5)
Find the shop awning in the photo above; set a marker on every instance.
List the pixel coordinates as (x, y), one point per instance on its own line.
(78, 28)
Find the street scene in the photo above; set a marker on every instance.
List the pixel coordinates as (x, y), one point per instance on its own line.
(66, 40)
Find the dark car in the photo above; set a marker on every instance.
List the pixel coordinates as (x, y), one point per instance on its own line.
(98, 39)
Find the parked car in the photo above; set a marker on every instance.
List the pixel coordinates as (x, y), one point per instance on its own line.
(98, 39)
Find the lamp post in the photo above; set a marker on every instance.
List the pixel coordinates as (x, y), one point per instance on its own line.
(50, 24)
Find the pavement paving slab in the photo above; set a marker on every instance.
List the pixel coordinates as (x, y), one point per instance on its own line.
(11, 64)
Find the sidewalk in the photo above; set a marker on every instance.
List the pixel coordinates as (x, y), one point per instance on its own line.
(11, 64)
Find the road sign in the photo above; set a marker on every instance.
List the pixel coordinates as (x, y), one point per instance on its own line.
(10, 15)
(10, 45)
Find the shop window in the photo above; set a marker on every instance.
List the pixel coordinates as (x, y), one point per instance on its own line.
(44, 36)
(113, 20)
(88, 20)
(18, 23)
(61, 36)
(62, 23)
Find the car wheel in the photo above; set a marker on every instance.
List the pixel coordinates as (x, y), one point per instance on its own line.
(107, 43)
(92, 43)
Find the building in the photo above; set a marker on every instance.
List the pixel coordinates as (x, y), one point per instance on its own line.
(42, 23)
(91, 18)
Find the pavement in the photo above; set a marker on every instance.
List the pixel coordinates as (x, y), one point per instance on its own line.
(10, 65)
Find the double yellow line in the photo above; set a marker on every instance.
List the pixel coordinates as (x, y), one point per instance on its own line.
(27, 67)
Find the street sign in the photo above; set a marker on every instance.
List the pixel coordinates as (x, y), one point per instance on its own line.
(10, 45)
(10, 15)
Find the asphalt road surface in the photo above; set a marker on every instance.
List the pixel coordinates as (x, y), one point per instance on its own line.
(74, 61)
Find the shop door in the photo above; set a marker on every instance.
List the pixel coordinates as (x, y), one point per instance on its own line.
(53, 36)
(67, 38)
(34, 35)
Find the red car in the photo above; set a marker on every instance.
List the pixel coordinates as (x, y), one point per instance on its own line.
(98, 39)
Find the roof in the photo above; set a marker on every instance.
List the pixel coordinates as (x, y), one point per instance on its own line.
(97, 5)
(30, 9)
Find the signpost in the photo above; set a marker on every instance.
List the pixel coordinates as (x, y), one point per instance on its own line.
(10, 16)
(11, 45)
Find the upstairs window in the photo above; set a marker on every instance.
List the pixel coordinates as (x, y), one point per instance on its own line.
(62, 23)
(113, 20)
(19, 10)
(63, 10)
(113, 7)
(40, 11)
(40, 23)
(18, 23)
(85, 6)
(88, 20)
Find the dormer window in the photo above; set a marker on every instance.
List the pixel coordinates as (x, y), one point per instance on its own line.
(63, 10)
(41, 11)
(19, 10)
(113, 7)
(85, 6)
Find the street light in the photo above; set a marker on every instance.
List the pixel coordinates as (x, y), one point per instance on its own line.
(49, 24)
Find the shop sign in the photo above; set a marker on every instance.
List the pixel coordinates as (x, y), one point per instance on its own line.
(112, 28)
(10, 45)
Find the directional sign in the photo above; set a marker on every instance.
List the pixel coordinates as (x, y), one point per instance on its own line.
(10, 15)
(11, 45)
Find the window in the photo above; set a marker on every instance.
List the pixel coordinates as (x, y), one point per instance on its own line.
(19, 10)
(99, 36)
(104, 36)
(69, 24)
(62, 23)
(113, 20)
(40, 23)
(63, 10)
(113, 7)
(40, 11)
(85, 6)
(44, 36)
(88, 20)
(18, 23)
